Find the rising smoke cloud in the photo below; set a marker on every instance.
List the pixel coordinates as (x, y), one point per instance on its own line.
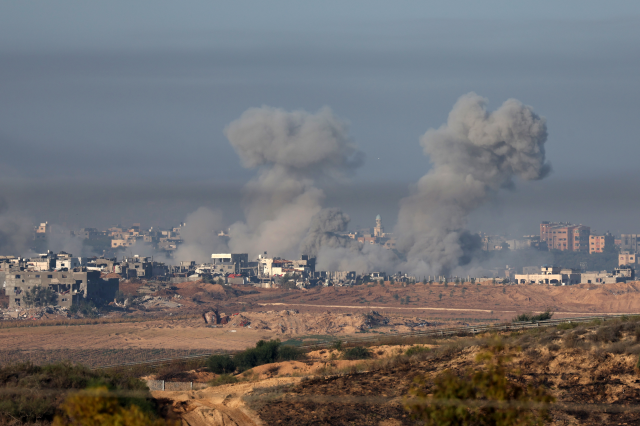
(324, 230)
(16, 232)
(291, 151)
(474, 154)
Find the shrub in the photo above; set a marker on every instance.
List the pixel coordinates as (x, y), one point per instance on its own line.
(48, 385)
(553, 347)
(414, 350)
(526, 317)
(221, 364)
(356, 352)
(40, 296)
(223, 379)
(607, 334)
(567, 325)
(99, 406)
(290, 353)
(337, 345)
(489, 388)
(85, 308)
(265, 352)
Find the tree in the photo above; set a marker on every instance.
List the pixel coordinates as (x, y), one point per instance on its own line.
(39, 296)
(395, 296)
(288, 281)
(99, 407)
(440, 296)
(221, 364)
(482, 396)
(221, 281)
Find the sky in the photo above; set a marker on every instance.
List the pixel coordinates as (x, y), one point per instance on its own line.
(114, 112)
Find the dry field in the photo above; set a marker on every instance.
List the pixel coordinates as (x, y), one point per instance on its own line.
(590, 370)
(329, 311)
(461, 302)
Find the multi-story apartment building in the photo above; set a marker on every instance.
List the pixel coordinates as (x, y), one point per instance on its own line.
(68, 287)
(627, 258)
(630, 243)
(598, 243)
(565, 236)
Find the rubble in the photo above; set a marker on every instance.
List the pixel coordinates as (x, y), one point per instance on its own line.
(155, 302)
(35, 313)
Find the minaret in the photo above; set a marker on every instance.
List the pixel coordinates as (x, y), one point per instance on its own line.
(378, 231)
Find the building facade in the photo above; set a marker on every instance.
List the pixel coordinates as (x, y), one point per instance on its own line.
(598, 243)
(564, 236)
(69, 287)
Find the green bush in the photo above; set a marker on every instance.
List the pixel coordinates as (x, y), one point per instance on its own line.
(529, 317)
(414, 350)
(34, 393)
(356, 352)
(479, 397)
(223, 379)
(265, 352)
(86, 308)
(221, 364)
(567, 325)
(40, 296)
(290, 353)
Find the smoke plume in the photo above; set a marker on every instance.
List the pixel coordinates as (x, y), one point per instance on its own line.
(323, 232)
(200, 236)
(16, 232)
(291, 151)
(474, 154)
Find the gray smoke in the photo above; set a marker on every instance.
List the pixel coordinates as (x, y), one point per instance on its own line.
(292, 151)
(335, 252)
(200, 236)
(199, 240)
(16, 232)
(323, 232)
(474, 154)
(60, 239)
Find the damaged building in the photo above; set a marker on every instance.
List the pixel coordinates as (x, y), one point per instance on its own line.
(69, 287)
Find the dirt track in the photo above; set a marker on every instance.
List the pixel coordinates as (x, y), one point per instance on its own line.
(481, 302)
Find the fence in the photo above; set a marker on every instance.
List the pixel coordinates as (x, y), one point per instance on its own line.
(162, 385)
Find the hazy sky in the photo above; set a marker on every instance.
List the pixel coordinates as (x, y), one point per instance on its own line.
(114, 112)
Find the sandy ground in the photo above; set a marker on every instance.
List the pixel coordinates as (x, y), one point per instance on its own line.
(331, 311)
(464, 302)
(221, 405)
(187, 334)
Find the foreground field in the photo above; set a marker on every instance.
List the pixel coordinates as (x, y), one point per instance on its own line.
(590, 371)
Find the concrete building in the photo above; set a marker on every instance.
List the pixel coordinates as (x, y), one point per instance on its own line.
(551, 275)
(378, 231)
(42, 231)
(565, 236)
(598, 243)
(270, 267)
(627, 258)
(69, 287)
(68, 262)
(42, 262)
(556, 276)
(630, 243)
(135, 267)
(492, 242)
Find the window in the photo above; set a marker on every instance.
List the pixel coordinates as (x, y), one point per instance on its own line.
(37, 276)
(49, 276)
(17, 276)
